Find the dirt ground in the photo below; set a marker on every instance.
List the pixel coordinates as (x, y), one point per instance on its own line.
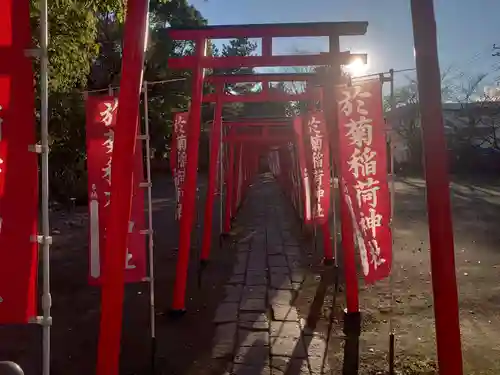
(183, 343)
(76, 304)
(476, 212)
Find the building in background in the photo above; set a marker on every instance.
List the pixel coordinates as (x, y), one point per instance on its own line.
(472, 130)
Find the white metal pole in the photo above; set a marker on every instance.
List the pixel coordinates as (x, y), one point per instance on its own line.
(46, 240)
(334, 217)
(389, 127)
(392, 99)
(298, 178)
(147, 138)
(221, 180)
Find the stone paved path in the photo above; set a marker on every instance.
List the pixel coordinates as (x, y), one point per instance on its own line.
(256, 324)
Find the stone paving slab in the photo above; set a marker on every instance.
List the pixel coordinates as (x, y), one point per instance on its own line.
(273, 241)
(240, 268)
(254, 291)
(280, 297)
(256, 279)
(250, 338)
(226, 312)
(257, 266)
(285, 329)
(254, 321)
(306, 331)
(257, 355)
(285, 312)
(254, 325)
(250, 370)
(297, 276)
(224, 340)
(275, 250)
(243, 248)
(280, 281)
(277, 261)
(253, 304)
(233, 293)
(284, 365)
(242, 258)
(288, 347)
(279, 270)
(294, 263)
(225, 332)
(291, 250)
(237, 279)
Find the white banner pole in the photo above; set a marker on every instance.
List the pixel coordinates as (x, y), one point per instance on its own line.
(46, 240)
(147, 139)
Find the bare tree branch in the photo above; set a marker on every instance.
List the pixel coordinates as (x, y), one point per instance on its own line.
(496, 50)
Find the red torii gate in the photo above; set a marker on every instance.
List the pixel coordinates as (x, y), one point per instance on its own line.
(264, 141)
(219, 98)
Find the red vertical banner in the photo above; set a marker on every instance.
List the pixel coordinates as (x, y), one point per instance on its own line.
(229, 188)
(18, 168)
(293, 176)
(215, 138)
(286, 167)
(240, 177)
(236, 174)
(363, 158)
(270, 162)
(304, 172)
(180, 158)
(283, 177)
(101, 126)
(274, 164)
(173, 154)
(277, 162)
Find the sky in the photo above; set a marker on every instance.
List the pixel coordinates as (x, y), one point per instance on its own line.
(467, 29)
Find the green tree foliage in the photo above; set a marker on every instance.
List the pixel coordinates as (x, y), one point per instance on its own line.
(85, 49)
(173, 96)
(73, 49)
(73, 30)
(236, 47)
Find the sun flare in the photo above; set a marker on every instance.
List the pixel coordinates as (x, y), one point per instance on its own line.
(357, 68)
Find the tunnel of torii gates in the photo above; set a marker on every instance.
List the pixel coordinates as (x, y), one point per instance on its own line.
(238, 140)
(331, 107)
(234, 134)
(246, 141)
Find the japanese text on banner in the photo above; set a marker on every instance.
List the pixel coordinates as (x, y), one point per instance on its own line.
(107, 118)
(364, 175)
(180, 133)
(2, 162)
(320, 162)
(303, 170)
(101, 120)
